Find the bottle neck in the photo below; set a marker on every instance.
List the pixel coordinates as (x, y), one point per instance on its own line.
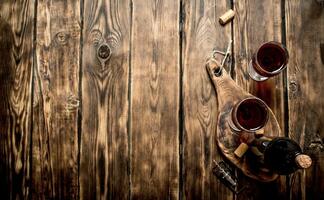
(283, 155)
(261, 144)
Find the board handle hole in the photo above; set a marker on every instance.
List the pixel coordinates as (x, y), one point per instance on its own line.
(217, 71)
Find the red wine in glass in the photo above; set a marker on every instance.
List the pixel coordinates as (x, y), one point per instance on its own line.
(269, 60)
(250, 114)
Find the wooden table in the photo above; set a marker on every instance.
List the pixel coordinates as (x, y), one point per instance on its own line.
(111, 99)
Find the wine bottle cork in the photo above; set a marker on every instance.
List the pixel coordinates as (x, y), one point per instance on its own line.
(303, 161)
(241, 149)
(266, 138)
(259, 133)
(226, 17)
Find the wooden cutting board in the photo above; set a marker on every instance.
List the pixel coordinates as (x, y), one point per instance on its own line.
(228, 94)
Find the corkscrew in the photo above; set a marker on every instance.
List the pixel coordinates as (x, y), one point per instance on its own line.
(226, 57)
(226, 175)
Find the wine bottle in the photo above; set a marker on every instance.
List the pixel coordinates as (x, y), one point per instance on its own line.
(282, 155)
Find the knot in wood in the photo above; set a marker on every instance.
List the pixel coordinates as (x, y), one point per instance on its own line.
(61, 38)
(293, 86)
(104, 51)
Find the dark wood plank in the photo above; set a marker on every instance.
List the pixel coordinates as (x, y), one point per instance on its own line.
(257, 22)
(201, 33)
(16, 64)
(104, 138)
(155, 100)
(305, 42)
(56, 101)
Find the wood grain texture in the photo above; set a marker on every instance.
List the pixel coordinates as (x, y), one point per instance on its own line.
(110, 99)
(257, 22)
(155, 100)
(305, 42)
(16, 64)
(104, 139)
(56, 101)
(201, 34)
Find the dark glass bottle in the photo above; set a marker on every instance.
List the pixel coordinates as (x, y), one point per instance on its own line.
(283, 155)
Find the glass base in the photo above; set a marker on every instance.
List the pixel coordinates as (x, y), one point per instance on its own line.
(254, 75)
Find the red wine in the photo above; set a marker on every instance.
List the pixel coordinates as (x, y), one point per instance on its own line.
(270, 59)
(250, 114)
(283, 155)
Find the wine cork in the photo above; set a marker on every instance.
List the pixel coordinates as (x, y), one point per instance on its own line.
(259, 133)
(240, 150)
(226, 17)
(303, 161)
(265, 138)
